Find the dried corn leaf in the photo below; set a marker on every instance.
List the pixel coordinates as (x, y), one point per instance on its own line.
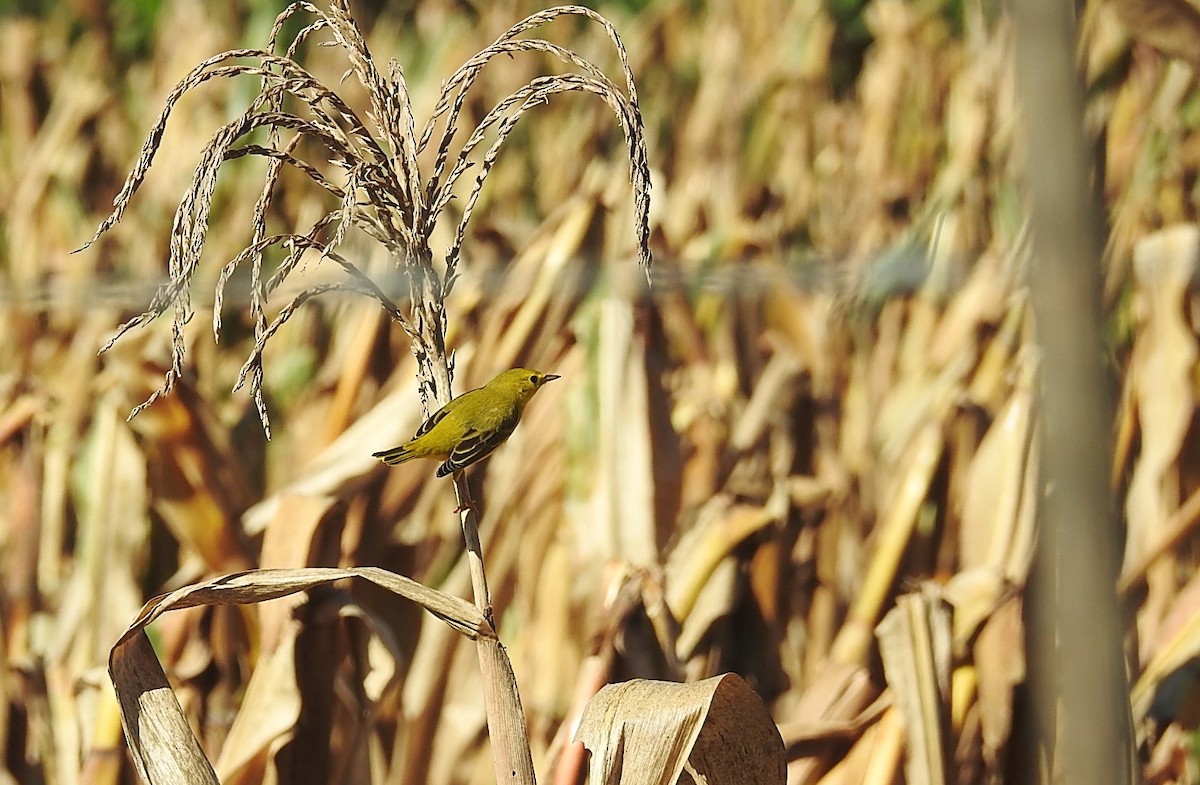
(914, 642)
(900, 519)
(551, 273)
(1177, 642)
(993, 490)
(1172, 26)
(359, 345)
(874, 759)
(798, 733)
(272, 702)
(1182, 523)
(339, 467)
(196, 478)
(111, 500)
(1160, 375)
(995, 534)
(269, 712)
(623, 496)
(160, 740)
(837, 693)
(717, 730)
(1000, 660)
(721, 527)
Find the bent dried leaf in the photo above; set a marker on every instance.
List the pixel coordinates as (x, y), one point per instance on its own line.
(161, 743)
(718, 730)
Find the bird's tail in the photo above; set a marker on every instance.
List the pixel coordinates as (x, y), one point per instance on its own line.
(396, 455)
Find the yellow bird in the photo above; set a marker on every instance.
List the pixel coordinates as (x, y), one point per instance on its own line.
(468, 428)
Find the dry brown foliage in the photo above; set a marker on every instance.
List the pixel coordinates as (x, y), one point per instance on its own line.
(819, 417)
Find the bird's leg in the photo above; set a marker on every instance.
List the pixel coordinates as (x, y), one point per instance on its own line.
(468, 504)
(465, 500)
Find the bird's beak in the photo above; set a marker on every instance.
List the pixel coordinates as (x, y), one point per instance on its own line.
(550, 377)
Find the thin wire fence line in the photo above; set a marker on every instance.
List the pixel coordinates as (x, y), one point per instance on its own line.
(882, 277)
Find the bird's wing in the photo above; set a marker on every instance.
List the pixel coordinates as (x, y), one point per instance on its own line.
(477, 445)
(404, 452)
(433, 420)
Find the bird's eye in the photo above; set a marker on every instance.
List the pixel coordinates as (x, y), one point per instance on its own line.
(533, 379)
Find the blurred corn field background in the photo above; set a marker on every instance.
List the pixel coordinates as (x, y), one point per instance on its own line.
(805, 450)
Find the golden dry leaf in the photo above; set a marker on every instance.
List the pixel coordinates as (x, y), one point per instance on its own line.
(717, 731)
(623, 494)
(996, 534)
(853, 640)
(1176, 643)
(355, 363)
(914, 643)
(968, 114)
(874, 759)
(721, 526)
(271, 706)
(837, 694)
(161, 743)
(338, 469)
(270, 710)
(1000, 659)
(1160, 377)
(549, 271)
(196, 478)
(1171, 26)
(994, 487)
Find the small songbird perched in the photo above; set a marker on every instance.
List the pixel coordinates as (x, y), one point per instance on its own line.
(468, 428)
